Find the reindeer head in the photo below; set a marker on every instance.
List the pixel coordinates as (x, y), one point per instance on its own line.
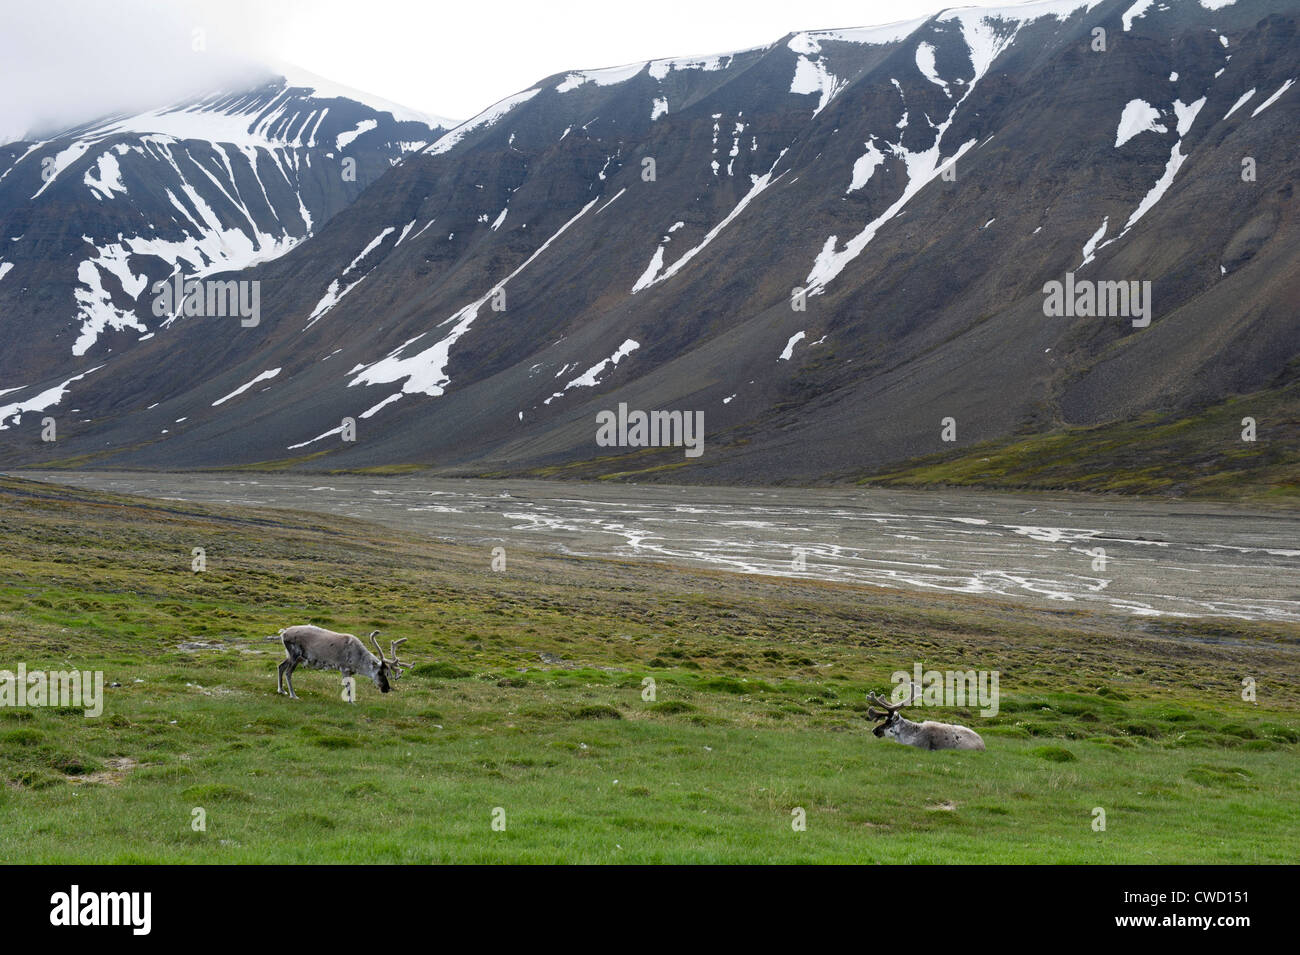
(890, 715)
(388, 671)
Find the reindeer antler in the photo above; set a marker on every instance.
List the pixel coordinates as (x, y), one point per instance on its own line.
(397, 665)
(886, 705)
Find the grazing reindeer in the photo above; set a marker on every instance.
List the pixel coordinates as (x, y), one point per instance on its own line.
(326, 650)
(927, 735)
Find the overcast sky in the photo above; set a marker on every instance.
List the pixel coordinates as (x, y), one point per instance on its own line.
(67, 61)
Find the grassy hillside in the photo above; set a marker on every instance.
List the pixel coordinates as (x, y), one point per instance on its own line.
(527, 697)
(1200, 456)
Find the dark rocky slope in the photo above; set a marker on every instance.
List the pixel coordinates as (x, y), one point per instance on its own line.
(813, 163)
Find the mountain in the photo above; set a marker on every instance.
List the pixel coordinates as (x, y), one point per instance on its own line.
(481, 302)
(94, 215)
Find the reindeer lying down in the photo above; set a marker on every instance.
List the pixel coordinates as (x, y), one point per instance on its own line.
(326, 650)
(927, 735)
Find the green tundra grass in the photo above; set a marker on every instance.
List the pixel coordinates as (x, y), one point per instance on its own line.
(527, 703)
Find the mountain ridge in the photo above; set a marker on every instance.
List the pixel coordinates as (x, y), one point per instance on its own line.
(815, 162)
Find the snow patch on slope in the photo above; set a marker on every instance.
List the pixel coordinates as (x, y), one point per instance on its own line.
(61, 161)
(788, 351)
(1272, 99)
(925, 63)
(264, 376)
(95, 306)
(810, 74)
(1186, 115)
(660, 69)
(865, 166)
(604, 77)
(345, 139)
(41, 402)
(1138, 9)
(209, 243)
(652, 274)
(17, 162)
(591, 377)
(426, 371)
(1245, 98)
(109, 178)
(649, 276)
(489, 117)
(1090, 247)
(987, 34)
(335, 293)
(1139, 116)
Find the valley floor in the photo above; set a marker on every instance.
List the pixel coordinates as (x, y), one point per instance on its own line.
(528, 704)
(1143, 557)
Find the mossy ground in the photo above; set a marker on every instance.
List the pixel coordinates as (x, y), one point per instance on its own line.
(528, 698)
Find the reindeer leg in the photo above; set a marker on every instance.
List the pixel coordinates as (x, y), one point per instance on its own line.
(288, 677)
(347, 674)
(279, 676)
